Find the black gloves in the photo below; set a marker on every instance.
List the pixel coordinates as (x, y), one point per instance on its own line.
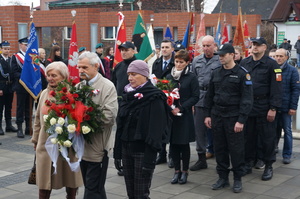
(146, 172)
(118, 164)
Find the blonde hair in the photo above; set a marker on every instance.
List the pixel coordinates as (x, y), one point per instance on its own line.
(59, 66)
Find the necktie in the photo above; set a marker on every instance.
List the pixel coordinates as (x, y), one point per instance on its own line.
(165, 65)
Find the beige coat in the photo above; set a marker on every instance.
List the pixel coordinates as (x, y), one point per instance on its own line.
(44, 170)
(107, 99)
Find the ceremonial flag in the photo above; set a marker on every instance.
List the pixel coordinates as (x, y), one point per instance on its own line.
(218, 33)
(152, 43)
(247, 38)
(225, 34)
(168, 34)
(73, 56)
(191, 44)
(141, 40)
(186, 36)
(200, 35)
(31, 75)
(121, 38)
(238, 39)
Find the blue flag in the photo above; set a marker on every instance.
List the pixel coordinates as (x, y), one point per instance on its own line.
(218, 36)
(185, 40)
(168, 34)
(31, 75)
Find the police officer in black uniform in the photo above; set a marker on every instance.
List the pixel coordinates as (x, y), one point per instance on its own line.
(6, 93)
(266, 78)
(227, 103)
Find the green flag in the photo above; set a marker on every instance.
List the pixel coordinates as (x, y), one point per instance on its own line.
(141, 40)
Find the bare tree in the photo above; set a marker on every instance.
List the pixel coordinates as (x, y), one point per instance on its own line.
(15, 2)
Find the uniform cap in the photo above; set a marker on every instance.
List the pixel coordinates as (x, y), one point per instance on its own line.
(178, 47)
(225, 48)
(99, 45)
(127, 44)
(5, 44)
(259, 40)
(23, 40)
(81, 49)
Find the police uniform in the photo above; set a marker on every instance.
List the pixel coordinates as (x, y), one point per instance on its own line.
(266, 78)
(6, 96)
(23, 97)
(228, 101)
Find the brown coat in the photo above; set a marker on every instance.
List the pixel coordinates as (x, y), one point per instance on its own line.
(44, 170)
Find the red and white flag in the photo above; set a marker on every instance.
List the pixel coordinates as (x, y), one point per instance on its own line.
(225, 34)
(247, 38)
(200, 35)
(73, 56)
(192, 36)
(121, 38)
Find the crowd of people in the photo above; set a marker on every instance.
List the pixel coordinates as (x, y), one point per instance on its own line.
(234, 107)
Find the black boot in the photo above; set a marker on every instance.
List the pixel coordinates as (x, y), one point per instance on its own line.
(183, 178)
(161, 159)
(20, 133)
(237, 186)
(1, 130)
(200, 164)
(27, 129)
(10, 127)
(220, 184)
(268, 173)
(176, 177)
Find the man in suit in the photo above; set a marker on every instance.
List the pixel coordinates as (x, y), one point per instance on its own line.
(6, 93)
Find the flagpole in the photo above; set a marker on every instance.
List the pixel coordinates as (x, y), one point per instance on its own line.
(30, 97)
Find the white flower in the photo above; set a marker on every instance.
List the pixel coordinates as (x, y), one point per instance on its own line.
(85, 129)
(71, 128)
(58, 130)
(45, 117)
(67, 143)
(54, 140)
(53, 121)
(61, 121)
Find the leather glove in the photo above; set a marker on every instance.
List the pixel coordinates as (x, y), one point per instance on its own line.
(146, 172)
(118, 164)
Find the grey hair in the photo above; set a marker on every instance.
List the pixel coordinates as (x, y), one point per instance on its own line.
(59, 66)
(91, 56)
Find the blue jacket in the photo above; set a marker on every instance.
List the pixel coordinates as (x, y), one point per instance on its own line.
(290, 88)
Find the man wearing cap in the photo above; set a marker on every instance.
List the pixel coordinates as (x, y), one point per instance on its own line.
(81, 50)
(104, 66)
(267, 96)
(23, 97)
(6, 93)
(297, 47)
(94, 162)
(202, 66)
(228, 102)
(285, 44)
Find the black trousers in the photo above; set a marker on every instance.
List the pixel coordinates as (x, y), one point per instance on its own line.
(23, 107)
(228, 145)
(6, 104)
(91, 174)
(137, 185)
(181, 152)
(258, 128)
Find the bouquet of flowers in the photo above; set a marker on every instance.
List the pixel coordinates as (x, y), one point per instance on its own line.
(72, 119)
(168, 87)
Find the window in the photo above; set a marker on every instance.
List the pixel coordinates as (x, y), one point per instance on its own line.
(175, 33)
(0, 33)
(109, 33)
(22, 30)
(67, 33)
(209, 30)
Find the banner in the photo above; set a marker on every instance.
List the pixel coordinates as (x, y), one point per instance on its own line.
(152, 43)
(168, 34)
(225, 38)
(238, 39)
(141, 40)
(247, 41)
(186, 36)
(121, 38)
(191, 44)
(31, 75)
(218, 36)
(200, 35)
(73, 56)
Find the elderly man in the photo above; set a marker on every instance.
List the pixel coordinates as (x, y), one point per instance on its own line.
(290, 97)
(202, 66)
(94, 162)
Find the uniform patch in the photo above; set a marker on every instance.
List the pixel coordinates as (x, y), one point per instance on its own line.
(278, 70)
(248, 77)
(234, 76)
(278, 77)
(248, 82)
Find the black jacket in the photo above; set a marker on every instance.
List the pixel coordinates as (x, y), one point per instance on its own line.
(5, 78)
(142, 123)
(157, 68)
(16, 67)
(266, 77)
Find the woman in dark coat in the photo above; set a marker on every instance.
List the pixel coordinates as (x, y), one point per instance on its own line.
(55, 55)
(183, 130)
(141, 127)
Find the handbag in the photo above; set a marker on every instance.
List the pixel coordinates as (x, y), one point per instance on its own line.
(32, 175)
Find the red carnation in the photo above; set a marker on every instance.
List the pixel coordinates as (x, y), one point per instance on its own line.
(63, 98)
(52, 93)
(64, 89)
(90, 109)
(170, 100)
(164, 81)
(86, 117)
(75, 95)
(48, 103)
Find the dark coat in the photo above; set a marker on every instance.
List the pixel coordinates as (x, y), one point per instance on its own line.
(16, 67)
(157, 68)
(5, 82)
(183, 129)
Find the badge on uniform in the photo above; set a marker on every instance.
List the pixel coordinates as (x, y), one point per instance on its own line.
(278, 75)
(248, 78)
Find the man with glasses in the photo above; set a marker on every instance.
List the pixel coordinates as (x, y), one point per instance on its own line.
(260, 126)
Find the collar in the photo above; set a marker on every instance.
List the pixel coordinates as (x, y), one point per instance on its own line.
(92, 81)
(5, 58)
(22, 52)
(128, 88)
(168, 61)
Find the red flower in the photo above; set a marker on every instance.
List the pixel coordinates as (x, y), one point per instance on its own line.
(52, 93)
(170, 100)
(48, 103)
(90, 109)
(64, 89)
(75, 95)
(164, 81)
(86, 117)
(63, 98)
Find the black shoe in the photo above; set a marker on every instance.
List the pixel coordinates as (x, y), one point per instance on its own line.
(20, 133)
(200, 164)
(220, 184)
(11, 129)
(286, 160)
(176, 177)
(259, 164)
(183, 178)
(171, 163)
(237, 186)
(247, 169)
(1, 131)
(161, 159)
(268, 173)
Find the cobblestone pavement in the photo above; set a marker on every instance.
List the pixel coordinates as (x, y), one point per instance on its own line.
(16, 159)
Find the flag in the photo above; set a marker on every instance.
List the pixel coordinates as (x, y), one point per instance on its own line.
(152, 43)
(31, 75)
(73, 56)
(200, 35)
(225, 38)
(247, 38)
(218, 33)
(186, 36)
(168, 34)
(238, 39)
(121, 38)
(141, 40)
(191, 43)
